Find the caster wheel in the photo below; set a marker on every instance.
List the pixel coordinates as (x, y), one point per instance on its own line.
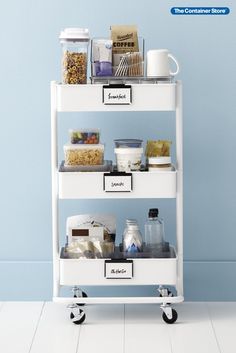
(79, 318)
(84, 295)
(169, 294)
(173, 319)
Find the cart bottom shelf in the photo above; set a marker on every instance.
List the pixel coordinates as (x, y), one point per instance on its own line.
(145, 271)
(120, 300)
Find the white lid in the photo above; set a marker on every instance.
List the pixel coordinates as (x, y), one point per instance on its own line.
(159, 160)
(131, 150)
(75, 33)
(85, 130)
(82, 146)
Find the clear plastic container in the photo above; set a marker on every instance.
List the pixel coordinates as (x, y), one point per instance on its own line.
(154, 231)
(126, 64)
(128, 159)
(74, 43)
(105, 167)
(85, 136)
(83, 154)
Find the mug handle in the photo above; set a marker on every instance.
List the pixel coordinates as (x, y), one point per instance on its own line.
(176, 63)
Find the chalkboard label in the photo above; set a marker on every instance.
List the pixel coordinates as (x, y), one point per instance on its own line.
(117, 95)
(118, 269)
(120, 182)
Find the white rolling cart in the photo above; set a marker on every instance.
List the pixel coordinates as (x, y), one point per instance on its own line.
(162, 272)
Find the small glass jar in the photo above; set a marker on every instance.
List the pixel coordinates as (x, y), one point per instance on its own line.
(157, 164)
(74, 43)
(132, 238)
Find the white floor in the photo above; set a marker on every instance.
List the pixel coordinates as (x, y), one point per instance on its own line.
(38, 327)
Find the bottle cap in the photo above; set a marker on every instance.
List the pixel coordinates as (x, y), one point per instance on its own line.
(153, 212)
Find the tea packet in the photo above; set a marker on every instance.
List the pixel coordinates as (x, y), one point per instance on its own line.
(102, 57)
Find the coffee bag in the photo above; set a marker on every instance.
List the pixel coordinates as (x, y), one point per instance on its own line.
(125, 40)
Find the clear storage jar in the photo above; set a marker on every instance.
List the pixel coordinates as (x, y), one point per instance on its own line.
(74, 43)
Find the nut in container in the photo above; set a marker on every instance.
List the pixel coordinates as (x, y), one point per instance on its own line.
(84, 154)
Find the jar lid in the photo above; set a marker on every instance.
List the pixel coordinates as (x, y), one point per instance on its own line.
(127, 143)
(75, 33)
(131, 221)
(159, 160)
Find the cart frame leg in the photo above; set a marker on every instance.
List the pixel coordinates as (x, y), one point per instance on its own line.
(55, 210)
(179, 196)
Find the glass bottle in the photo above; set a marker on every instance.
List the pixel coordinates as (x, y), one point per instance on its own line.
(154, 230)
(132, 238)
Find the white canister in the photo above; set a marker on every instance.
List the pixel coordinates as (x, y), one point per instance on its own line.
(159, 164)
(128, 159)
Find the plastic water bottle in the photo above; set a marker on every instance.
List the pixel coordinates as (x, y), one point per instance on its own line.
(132, 238)
(154, 230)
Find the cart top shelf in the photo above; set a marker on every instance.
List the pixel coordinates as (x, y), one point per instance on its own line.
(89, 97)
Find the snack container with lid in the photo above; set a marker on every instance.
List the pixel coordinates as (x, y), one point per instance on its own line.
(83, 154)
(84, 136)
(128, 159)
(74, 43)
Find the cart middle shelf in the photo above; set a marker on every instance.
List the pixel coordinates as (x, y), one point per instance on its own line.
(90, 185)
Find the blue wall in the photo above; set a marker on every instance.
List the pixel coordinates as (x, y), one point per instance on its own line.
(30, 57)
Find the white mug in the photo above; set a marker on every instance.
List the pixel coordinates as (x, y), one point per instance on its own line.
(158, 63)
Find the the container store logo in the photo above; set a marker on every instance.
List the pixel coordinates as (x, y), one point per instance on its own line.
(200, 10)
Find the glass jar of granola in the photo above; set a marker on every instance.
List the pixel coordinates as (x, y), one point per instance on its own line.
(74, 43)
